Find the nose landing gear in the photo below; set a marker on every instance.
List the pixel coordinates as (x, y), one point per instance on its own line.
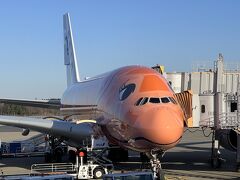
(156, 164)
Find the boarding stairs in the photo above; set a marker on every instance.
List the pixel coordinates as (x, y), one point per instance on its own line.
(36, 140)
(98, 157)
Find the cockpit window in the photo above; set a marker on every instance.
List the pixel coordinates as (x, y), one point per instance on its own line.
(154, 100)
(141, 101)
(138, 101)
(126, 90)
(144, 101)
(165, 100)
(172, 100)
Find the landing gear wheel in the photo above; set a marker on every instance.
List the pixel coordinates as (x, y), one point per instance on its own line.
(48, 157)
(216, 163)
(118, 154)
(98, 173)
(156, 165)
(72, 156)
(238, 167)
(58, 155)
(160, 175)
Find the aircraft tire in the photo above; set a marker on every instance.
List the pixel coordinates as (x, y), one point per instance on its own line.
(48, 157)
(58, 153)
(72, 156)
(118, 154)
(216, 163)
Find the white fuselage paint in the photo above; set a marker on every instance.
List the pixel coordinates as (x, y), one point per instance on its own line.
(83, 93)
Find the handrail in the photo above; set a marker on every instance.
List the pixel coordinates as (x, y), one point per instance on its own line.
(54, 167)
(226, 120)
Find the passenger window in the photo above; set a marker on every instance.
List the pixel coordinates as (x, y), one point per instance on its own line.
(138, 101)
(165, 100)
(154, 100)
(203, 109)
(125, 91)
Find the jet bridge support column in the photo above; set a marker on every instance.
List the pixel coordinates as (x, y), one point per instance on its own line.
(215, 157)
(218, 76)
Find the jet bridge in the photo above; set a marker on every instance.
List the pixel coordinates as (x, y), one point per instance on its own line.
(210, 97)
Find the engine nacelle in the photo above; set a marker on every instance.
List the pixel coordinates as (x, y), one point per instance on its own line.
(227, 139)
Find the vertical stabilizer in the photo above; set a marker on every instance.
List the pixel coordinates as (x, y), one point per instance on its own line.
(69, 52)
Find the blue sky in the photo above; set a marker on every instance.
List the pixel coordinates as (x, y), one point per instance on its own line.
(109, 34)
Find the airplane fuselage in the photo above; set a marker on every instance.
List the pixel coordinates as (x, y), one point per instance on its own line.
(134, 107)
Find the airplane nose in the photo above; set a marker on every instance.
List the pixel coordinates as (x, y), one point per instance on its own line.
(163, 126)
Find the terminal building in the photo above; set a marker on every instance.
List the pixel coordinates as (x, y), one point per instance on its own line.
(213, 96)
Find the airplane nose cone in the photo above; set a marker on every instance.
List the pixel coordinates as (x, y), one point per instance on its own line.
(163, 126)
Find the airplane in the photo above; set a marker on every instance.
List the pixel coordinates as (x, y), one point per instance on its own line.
(134, 107)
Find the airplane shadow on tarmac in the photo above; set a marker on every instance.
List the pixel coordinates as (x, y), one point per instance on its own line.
(193, 159)
(195, 156)
(190, 160)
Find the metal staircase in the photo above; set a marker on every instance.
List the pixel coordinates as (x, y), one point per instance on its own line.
(36, 140)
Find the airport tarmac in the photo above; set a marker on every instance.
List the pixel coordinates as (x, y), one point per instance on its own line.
(189, 160)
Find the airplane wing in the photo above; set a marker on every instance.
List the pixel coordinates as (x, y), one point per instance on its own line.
(75, 133)
(52, 103)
